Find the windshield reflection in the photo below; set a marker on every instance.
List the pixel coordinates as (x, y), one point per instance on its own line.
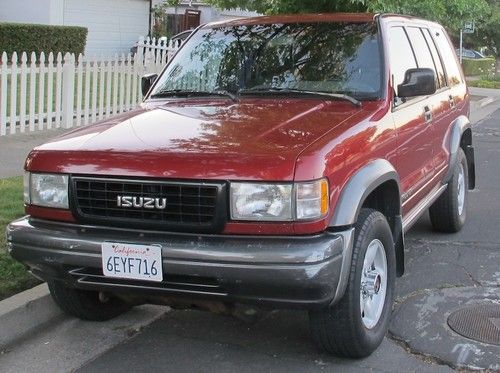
(317, 57)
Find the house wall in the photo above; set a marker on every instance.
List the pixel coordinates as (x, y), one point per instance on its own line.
(114, 25)
(235, 13)
(25, 11)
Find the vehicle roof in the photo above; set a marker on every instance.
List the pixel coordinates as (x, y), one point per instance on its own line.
(297, 18)
(312, 18)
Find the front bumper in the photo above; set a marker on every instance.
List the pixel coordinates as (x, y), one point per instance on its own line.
(292, 271)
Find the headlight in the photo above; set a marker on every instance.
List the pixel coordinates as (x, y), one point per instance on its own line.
(279, 202)
(47, 190)
(267, 202)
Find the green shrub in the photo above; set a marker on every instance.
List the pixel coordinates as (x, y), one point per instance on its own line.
(493, 77)
(29, 38)
(480, 66)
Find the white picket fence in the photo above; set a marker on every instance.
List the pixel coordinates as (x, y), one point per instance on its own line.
(157, 47)
(43, 92)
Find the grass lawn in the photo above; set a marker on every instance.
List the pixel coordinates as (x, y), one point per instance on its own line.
(486, 81)
(13, 276)
(484, 84)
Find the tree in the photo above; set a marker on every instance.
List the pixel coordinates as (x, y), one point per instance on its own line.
(487, 31)
(159, 14)
(450, 13)
(292, 6)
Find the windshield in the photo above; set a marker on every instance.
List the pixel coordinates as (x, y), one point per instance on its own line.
(316, 57)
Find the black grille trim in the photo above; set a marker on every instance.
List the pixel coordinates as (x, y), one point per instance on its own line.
(171, 283)
(199, 207)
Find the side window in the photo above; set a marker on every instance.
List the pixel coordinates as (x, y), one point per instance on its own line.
(448, 55)
(402, 57)
(424, 57)
(437, 60)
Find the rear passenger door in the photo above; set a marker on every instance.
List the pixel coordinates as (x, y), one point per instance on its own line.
(439, 103)
(454, 95)
(413, 122)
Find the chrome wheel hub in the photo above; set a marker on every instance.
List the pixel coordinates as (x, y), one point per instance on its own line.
(373, 284)
(461, 189)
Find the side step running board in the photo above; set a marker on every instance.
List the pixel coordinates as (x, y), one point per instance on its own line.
(422, 206)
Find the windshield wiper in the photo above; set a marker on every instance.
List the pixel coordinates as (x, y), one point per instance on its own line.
(192, 93)
(339, 96)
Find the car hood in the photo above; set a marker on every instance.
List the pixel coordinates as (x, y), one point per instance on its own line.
(254, 139)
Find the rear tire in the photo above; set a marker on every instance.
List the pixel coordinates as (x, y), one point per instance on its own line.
(449, 212)
(357, 324)
(86, 304)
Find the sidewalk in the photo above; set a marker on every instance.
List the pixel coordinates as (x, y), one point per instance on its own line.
(15, 148)
(485, 92)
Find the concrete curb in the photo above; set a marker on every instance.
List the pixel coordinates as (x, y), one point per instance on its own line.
(22, 313)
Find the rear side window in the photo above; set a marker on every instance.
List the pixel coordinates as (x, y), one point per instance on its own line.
(423, 54)
(448, 55)
(424, 58)
(437, 60)
(401, 54)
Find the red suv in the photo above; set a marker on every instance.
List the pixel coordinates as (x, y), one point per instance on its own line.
(275, 162)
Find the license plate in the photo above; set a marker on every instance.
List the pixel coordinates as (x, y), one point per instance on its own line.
(128, 261)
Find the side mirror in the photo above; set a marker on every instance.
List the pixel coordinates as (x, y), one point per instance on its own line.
(418, 82)
(146, 82)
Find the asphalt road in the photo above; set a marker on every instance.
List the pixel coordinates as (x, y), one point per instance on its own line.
(195, 341)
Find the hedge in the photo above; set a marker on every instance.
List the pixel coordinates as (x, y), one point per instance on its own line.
(480, 66)
(29, 38)
(484, 83)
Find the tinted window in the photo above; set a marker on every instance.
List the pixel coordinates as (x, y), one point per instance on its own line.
(423, 54)
(326, 57)
(402, 57)
(435, 56)
(449, 58)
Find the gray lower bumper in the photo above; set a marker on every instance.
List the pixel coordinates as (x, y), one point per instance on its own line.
(280, 271)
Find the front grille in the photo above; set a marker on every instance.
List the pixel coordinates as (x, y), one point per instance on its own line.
(189, 206)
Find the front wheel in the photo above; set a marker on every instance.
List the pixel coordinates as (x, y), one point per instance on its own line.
(85, 304)
(356, 326)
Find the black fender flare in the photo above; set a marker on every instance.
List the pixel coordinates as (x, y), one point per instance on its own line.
(457, 128)
(359, 186)
(347, 209)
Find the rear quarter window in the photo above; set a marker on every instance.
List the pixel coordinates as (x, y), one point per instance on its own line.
(436, 58)
(448, 56)
(422, 51)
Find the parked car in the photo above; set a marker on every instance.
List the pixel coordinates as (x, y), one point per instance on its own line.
(275, 162)
(182, 36)
(469, 53)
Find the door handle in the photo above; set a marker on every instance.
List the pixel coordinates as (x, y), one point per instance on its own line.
(427, 114)
(452, 102)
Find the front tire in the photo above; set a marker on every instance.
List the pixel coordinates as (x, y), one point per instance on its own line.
(357, 324)
(449, 212)
(85, 304)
